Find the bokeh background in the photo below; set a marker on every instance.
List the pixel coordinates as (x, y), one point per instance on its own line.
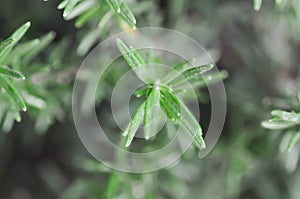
(260, 50)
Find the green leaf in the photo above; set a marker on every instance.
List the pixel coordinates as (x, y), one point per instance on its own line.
(13, 93)
(135, 61)
(141, 91)
(127, 15)
(87, 16)
(69, 7)
(8, 122)
(129, 55)
(286, 116)
(192, 126)
(294, 140)
(12, 73)
(23, 49)
(134, 124)
(79, 9)
(62, 4)
(20, 32)
(151, 101)
(115, 5)
(39, 46)
(137, 55)
(175, 71)
(112, 185)
(170, 104)
(6, 45)
(201, 81)
(192, 74)
(257, 4)
(13, 39)
(277, 125)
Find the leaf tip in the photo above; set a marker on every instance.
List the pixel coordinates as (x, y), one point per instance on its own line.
(27, 24)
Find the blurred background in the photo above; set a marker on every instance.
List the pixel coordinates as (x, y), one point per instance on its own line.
(43, 157)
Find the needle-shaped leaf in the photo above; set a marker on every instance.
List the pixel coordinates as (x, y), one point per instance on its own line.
(134, 124)
(170, 104)
(191, 74)
(295, 138)
(151, 102)
(12, 92)
(129, 55)
(86, 16)
(13, 39)
(115, 5)
(277, 125)
(79, 9)
(19, 33)
(23, 48)
(127, 15)
(192, 126)
(201, 81)
(69, 7)
(39, 46)
(175, 71)
(137, 55)
(286, 116)
(6, 45)
(141, 91)
(257, 4)
(11, 73)
(135, 61)
(62, 4)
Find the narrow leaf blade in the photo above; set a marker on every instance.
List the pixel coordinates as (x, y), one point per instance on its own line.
(192, 126)
(152, 101)
(170, 104)
(11, 73)
(127, 15)
(13, 92)
(115, 5)
(135, 123)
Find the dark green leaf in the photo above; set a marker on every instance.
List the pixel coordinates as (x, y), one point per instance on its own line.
(175, 71)
(141, 91)
(127, 15)
(192, 74)
(19, 33)
(192, 126)
(115, 5)
(129, 55)
(170, 104)
(39, 46)
(151, 101)
(134, 124)
(14, 38)
(13, 93)
(201, 81)
(12, 73)
(6, 45)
